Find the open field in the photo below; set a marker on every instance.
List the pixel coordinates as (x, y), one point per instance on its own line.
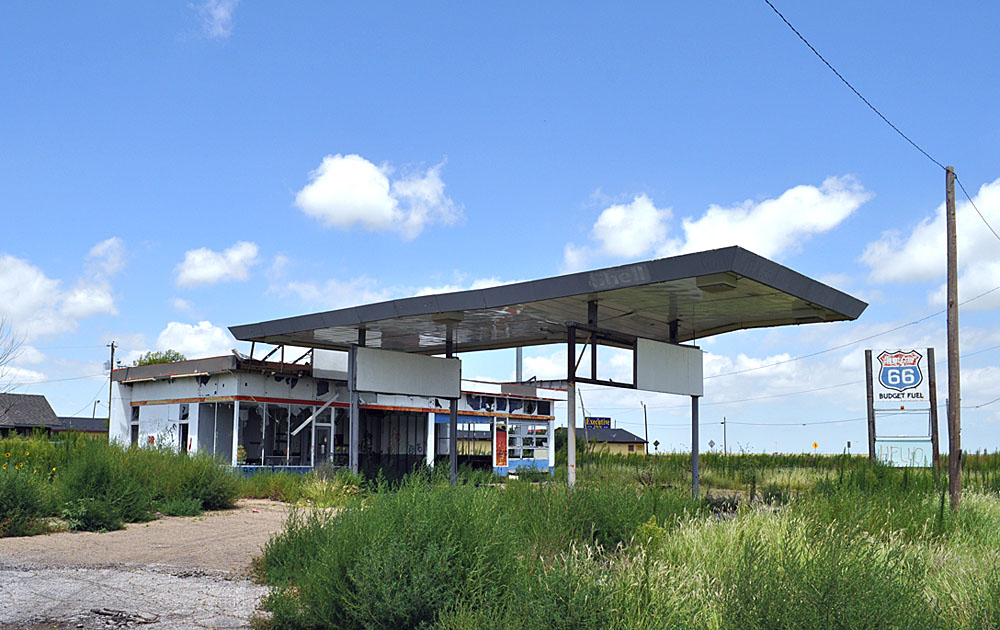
(811, 542)
(797, 541)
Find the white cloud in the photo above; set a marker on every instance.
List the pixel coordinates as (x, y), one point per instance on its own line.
(29, 355)
(196, 341)
(334, 293)
(13, 377)
(770, 228)
(482, 283)
(37, 306)
(217, 18)
(86, 299)
(203, 266)
(631, 230)
(774, 226)
(180, 304)
(920, 255)
(348, 190)
(108, 256)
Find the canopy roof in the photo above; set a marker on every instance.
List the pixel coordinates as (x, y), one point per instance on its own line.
(705, 293)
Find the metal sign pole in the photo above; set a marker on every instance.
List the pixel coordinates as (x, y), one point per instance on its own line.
(871, 404)
(932, 394)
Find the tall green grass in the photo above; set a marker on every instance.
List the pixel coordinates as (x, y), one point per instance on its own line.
(847, 544)
(94, 485)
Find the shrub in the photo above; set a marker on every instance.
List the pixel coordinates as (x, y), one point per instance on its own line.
(21, 501)
(183, 506)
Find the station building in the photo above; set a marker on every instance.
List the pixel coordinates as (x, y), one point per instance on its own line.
(281, 415)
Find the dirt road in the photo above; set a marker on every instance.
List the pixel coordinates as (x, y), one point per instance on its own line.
(170, 573)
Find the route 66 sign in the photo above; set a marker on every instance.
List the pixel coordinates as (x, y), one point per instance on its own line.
(900, 376)
(900, 370)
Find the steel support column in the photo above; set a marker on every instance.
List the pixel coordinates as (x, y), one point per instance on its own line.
(571, 407)
(449, 351)
(695, 445)
(354, 419)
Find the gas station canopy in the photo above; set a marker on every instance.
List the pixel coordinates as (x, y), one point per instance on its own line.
(677, 299)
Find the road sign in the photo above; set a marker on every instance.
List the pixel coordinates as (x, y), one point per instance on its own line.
(900, 378)
(711, 444)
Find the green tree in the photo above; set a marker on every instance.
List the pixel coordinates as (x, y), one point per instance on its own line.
(166, 356)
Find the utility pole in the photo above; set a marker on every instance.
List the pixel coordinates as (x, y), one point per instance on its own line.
(954, 387)
(93, 412)
(645, 421)
(111, 380)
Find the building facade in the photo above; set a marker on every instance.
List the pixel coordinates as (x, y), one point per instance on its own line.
(269, 414)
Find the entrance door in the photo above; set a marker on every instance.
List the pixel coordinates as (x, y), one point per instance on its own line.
(323, 452)
(183, 436)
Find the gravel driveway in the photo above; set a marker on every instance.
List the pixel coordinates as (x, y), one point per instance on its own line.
(174, 572)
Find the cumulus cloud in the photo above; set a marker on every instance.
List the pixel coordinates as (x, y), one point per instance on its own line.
(348, 190)
(774, 226)
(217, 18)
(770, 228)
(107, 257)
(37, 305)
(333, 293)
(196, 341)
(180, 304)
(205, 267)
(631, 230)
(920, 254)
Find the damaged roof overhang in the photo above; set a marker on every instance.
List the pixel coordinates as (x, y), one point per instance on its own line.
(703, 294)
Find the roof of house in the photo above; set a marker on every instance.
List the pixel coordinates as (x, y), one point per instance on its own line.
(617, 436)
(81, 423)
(26, 410)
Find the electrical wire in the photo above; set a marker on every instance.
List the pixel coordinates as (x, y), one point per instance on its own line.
(81, 410)
(877, 112)
(853, 89)
(969, 197)
(850, 343)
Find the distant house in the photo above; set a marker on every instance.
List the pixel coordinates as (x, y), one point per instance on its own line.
(96, 427)
(613, 441)
(22, 414)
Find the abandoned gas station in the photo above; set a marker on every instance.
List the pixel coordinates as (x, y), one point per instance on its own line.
(379, 386)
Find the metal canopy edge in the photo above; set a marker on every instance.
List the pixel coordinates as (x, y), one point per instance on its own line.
(662, 290)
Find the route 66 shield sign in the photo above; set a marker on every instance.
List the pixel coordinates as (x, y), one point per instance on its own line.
(900, 370)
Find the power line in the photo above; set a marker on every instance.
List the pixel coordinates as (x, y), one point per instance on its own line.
(967, 196)
(880, 114)
(850, 343)
(853, 89)
(92, 399)
(55, 380)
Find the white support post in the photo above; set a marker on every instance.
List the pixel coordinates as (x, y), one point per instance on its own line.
(236, 429)
(571, 434)
(430, 440)
(355, 411)
(695, 446)
(552, 445)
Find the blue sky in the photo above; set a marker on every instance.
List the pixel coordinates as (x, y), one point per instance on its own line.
(170, 169)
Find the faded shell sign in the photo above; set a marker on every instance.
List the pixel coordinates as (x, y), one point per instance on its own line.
(900, 377)
(904, 452)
